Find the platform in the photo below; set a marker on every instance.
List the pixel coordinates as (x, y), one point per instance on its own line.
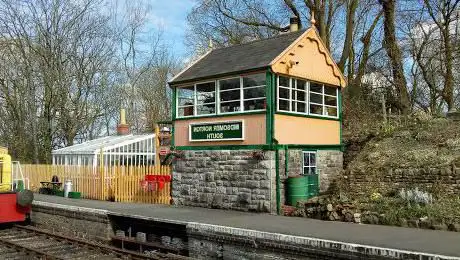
(429, 242)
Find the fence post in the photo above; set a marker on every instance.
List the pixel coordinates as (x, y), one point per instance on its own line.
(101, 174)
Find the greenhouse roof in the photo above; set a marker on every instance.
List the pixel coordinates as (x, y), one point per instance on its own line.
(105, 143)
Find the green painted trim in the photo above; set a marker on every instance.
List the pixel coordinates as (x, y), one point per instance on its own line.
(307, 116)
(315, 147)
(260, 147)
(278, 181)
(286, 160)
(215, 77)
(221, 115)
(224, 147)
(341, 119)
(273, 105)
(269, 107)
(164, 122)
(173, 113)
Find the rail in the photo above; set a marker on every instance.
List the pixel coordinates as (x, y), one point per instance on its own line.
(25, 241)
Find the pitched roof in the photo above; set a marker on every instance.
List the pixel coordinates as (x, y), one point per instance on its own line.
(247, 56)
(106, 143)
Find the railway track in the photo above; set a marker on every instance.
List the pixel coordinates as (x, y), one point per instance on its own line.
(24, 242)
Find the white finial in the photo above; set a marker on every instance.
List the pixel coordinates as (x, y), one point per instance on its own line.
(211, 44)
(313, 21)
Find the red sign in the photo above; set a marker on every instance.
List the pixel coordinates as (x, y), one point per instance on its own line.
(164, 151)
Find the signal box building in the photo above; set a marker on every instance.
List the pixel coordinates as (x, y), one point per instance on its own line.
(248, 118)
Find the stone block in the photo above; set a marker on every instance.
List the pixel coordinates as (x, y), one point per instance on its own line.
(209, 176)
(221, 190)
(210, 190)
(244, 198)
(217, 201)
(252, 184)
(185, 190)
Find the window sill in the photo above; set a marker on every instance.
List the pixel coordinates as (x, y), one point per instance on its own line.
(307, 116)
(258, 112)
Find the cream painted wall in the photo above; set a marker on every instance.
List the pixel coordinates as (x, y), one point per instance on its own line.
(306, 131)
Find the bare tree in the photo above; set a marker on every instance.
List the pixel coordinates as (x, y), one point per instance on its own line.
(394, 53)
(445, 13)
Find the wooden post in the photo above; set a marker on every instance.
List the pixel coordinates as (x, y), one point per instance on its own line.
(101, 175)
(384, 110)
(157, 145)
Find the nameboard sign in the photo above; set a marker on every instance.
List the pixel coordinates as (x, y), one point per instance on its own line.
(216, 131)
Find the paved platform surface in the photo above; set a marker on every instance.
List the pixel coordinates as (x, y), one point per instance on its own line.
(417, 240)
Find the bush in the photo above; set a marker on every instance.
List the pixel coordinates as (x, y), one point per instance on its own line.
(416, 196)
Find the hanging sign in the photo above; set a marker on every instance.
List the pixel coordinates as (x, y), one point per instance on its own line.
(216, 131)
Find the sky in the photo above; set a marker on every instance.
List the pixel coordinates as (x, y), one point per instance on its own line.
(170, 15)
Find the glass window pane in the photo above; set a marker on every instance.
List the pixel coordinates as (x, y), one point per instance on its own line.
(315, 87)
(206, 87)
(203, 98)
(301, 96)
(282, 81)
(283, 105)
(284, 93)
(306, 159)
(330, 101)
(331, 111)
(254, 92)
(185, 101)
(257, 104)
(186, 111)
(186, 92)
(312, 170)
(301, 84)
(330, 90)
(206, 109)
(312, 159)
(315, 98)
(229, 83)
(228, 107)
(301, 107)
(254, 80)
(316, 109)
(230, 95)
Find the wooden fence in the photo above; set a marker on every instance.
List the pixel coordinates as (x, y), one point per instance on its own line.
(115, 183)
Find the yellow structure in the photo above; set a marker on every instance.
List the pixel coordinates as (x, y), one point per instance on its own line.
(5, 170)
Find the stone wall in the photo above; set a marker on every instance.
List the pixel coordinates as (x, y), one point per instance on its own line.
(242, 179)
(218, 242)
(228, 179)
(78, 222)
(330, 166)
(443, 179)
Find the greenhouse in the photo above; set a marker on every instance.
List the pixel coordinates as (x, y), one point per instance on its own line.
(123, 150)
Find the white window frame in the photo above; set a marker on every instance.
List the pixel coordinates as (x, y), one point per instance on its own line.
(309, 166)
(289, 99)
(323, 105)
(217, 98)
(195, 112)
(230, 101)
(243, 99)
(293, 98)
(193, 105)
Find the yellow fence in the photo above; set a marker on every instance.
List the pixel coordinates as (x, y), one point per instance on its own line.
(116, 183)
